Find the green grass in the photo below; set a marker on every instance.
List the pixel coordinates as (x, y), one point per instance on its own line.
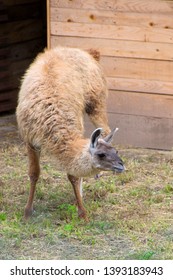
(130, 215)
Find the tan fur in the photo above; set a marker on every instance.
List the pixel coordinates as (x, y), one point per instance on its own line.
(57, 89)
(94, 53)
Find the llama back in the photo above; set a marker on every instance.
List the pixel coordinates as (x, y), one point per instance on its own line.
(55, 92)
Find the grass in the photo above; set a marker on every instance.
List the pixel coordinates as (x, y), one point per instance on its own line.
(131, 214)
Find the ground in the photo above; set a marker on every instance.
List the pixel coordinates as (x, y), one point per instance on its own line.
(131, 215)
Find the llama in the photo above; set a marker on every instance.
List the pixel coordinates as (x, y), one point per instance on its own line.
(57, 89)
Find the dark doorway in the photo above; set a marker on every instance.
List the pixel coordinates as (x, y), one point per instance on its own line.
(22, 36)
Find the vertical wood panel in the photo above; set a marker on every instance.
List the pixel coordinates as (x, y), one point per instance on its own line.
(48, 24)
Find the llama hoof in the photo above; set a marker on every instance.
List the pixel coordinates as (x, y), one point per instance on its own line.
(28, 213)
(86, 219)
(82, 215)
(97, 176)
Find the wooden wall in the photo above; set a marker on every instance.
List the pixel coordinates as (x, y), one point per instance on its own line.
(22, 36)
(135, 38)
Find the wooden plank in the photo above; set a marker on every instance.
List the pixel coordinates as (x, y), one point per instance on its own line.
(3, 17)
(25, 50)
(170, 3)
(19, 66)
(141, 131)
(8, 95)
(9, 83)
(3, 12)
(14, 75)
(153, 20)
(138, 85)
(20, 31)
(147, 132)
(48, 24)
(118, 5)
(118, 48)
(132, 33)
(144, 69)
(18, 69)
(19, 58)
(6, 85)
(24, 11)
(19, 2)
(4, 66)
(8, 100)
(8, 105)
(140, 104)
(3, 74)
(4, 52)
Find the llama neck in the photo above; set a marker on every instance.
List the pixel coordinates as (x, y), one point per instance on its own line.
(78, 160)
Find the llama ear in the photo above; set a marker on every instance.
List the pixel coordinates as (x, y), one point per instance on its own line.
(94, 137)
(110, 136)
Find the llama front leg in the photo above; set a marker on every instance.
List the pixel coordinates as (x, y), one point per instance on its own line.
(34, 172)
(77, 186)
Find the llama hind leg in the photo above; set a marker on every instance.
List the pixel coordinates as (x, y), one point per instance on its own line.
(77, 186)
(34, 172)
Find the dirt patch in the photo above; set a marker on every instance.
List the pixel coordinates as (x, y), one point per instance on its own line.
(8, 130)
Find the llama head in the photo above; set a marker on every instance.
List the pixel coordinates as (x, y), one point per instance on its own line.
(104, 156)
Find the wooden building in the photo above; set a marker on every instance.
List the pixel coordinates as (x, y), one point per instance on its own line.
(135, 39)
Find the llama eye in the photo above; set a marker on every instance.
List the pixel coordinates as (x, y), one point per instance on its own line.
(101, 155)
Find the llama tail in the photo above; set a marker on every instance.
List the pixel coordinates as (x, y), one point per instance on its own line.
(94, 53)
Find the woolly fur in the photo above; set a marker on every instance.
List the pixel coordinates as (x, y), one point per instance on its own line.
(57, 89)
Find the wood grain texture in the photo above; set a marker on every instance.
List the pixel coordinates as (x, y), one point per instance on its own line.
(139, 131)
(146, 6)
(140, 104)
(140, 85)
(118, 48)
(152, 20)
(133, 33)
(160, 70)
(135, 39)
